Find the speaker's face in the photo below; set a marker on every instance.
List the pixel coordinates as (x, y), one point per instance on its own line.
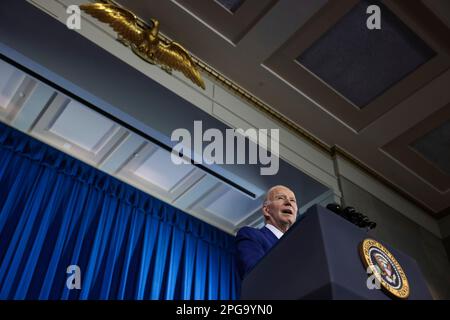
(281, 208)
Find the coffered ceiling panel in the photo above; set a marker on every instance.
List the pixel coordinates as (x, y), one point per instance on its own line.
(152, 169)
(435, 146)
(69, 125)
(10, 80)
(96, 131)
(231, 5)
(358, 74)
(158, 170)
(362, 65)
(14, 89)
(217, 203)
(230, 18)
(425, 149)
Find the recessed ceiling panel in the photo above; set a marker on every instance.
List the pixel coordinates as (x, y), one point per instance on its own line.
(356, 74)
(78, 130)
(361, 64)
(231, 5)
(435, 146)
(159, 170)
(83, 127)
(151, 169)
(15, 89)
(232, 19)
(242, 205)
(10, 80)
(425, 149)
(228, 205)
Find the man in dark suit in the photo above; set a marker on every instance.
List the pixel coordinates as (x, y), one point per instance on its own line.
(280, 212)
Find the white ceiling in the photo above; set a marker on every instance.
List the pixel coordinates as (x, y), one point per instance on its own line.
(159, 169)
(96, 131)
(10, 79)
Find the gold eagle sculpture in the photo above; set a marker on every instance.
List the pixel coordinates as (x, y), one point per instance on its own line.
(144, 41)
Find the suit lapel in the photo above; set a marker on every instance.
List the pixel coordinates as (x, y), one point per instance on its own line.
(269, 235)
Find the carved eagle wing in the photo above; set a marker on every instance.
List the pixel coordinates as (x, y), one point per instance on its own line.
(122, 21)
(176, 57)
(126, 25)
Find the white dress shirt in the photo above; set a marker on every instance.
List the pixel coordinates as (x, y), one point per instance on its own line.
(274, 230)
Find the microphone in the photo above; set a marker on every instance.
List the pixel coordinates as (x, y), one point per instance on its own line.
(350, 214)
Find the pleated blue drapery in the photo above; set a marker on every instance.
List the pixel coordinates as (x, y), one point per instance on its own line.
(56, 211)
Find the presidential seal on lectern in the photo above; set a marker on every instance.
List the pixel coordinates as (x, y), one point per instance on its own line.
(385, 268)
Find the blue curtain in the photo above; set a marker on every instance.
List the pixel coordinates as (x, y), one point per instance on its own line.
(56, 211)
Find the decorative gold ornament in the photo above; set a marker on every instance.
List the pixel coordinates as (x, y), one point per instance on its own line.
(385, 268)
(144, 41)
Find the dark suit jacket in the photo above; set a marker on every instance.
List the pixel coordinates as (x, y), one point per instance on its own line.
(251, 245)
